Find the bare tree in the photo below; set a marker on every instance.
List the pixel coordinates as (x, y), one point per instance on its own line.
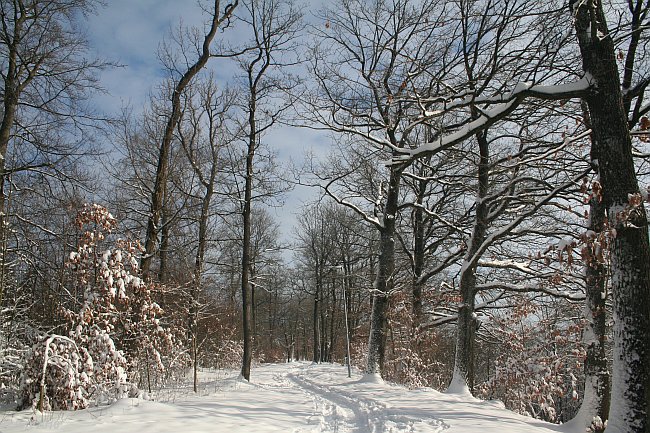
(274, 25)
(46, 80)
(204, 132)
(611, 113)
(316, 236)
(635, 79)
(220, 16)
(612, 158)
(367, 56)
(430, 234)
(333, 256)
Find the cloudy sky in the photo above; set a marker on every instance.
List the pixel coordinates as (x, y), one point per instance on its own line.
(129, 32)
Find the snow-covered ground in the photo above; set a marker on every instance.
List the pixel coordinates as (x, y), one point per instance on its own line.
(296, 397)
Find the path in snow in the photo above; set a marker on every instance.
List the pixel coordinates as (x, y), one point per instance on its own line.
(297, 398)
(363, 414)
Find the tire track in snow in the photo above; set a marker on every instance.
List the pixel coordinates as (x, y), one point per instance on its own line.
(368, 415)
(333, 417)
(354, 418)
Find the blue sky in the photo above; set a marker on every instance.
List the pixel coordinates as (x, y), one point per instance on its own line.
(129, 32)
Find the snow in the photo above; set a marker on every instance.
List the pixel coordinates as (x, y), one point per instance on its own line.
(575, 86)
(584, 416)
(563, 244)
(463, 133)
(458, 386)
(298, 397)
(503, 103)
(620, 412)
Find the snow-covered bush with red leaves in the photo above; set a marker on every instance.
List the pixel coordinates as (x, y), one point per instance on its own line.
(58, 376)
(413, 356)
(227, 350)
(540, 365)
(112, 322)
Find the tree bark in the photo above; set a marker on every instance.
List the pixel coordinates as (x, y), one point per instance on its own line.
(164, 246)
(333, 323)
(199, 263)
(463, 376)
(595, 402)
(384, 281)
(272, 29)
(246, 287)
(316, 332)
(418, 257)
(8, 119)
(630, 251)
(11, 94)
(594, 409)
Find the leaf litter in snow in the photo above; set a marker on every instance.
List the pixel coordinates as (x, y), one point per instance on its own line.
(297, 397)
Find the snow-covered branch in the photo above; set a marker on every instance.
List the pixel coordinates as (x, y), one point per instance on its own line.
(497, 108)
(529, 288)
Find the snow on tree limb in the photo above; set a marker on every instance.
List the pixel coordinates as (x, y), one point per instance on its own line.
(529, 288)
(503, 232)
(499, 107)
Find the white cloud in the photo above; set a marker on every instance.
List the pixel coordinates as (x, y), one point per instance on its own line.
(129, 32)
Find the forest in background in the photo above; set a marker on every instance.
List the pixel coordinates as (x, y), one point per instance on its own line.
(480, 227)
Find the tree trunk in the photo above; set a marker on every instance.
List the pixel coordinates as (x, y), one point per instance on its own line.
(417, 281)
(164, 246)
(195, 365)
(463, 378)
(333, 322)
(323, 335)
(384, 280)
(315, 315)
(630, 251)
(347, 289)
(251, 276)
(10, 105)
(199, 264)
(595, 402)
(246, 262)
(418, 257)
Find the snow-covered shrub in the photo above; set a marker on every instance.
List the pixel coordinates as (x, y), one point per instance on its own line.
(113, 321)
(57, 376)
(226, 351)
(414, 355)
(540, 363)
(11, 367)
(229, 354)
(108, 381)
(220, 345)
(358, 352)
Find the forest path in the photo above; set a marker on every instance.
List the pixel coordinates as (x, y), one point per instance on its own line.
(299, 397)
(346, 411)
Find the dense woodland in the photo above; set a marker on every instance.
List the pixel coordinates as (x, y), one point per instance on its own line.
(480, 222)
